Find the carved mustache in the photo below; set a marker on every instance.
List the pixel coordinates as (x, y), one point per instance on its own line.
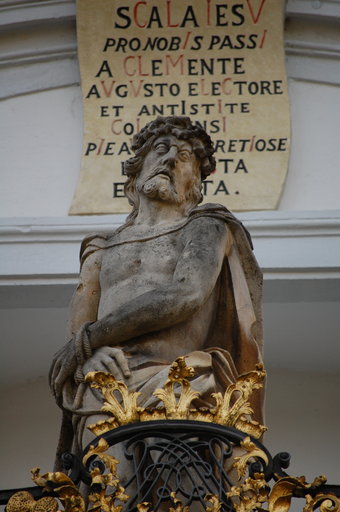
(162, 169)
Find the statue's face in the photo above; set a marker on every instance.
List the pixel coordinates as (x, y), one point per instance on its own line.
(169, 170)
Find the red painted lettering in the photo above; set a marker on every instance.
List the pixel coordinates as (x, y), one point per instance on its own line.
(108, 91)
(256, 17)
(135, 15)
(168, 14)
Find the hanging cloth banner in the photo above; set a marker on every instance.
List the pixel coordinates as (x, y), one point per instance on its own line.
(221, 63)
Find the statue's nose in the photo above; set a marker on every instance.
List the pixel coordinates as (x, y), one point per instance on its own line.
(170, 157)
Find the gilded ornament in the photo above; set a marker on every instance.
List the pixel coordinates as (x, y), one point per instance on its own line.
(20, 501)
(109, 495)
(178, 373)
(214, 501)
(250, 495)
(282, 493)
(255, 491)
(232, 409)
(103, 502)
(252, 451)
(143, 507)
(178, 504)
(23, 501)
(46, 504)
(63, 486)
(326, 503)
(100, 451)
(125, 411)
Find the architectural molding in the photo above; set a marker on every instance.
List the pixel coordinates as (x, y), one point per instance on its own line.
(272, 223)
(15, 12)
(39, 48)
(312, 44)
(41, 255)
(47, 56)
(321, 9)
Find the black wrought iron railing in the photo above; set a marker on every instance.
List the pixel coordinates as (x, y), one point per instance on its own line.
(169, 462)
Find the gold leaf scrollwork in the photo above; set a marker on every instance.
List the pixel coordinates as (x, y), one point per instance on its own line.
(232, 409)
(103, 500)
(214, 501)
(282, 493)
(326, 503)
(286, 487)
(100, 451)
(254, 492)
(250, 495)
(252, 451)
(124, 411)
(67, 491)
(178, 504)
(238, 413)
(143, 507)
(178, 374)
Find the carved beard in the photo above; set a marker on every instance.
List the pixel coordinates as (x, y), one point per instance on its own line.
(159, 187)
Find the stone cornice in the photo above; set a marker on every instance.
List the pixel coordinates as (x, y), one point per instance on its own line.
(264, 224)
(48, 57)
(295, 245)
(320, 9)
(15, 12)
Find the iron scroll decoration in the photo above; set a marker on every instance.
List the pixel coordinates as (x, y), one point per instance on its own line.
(171, 432)
(188, 459)
(180, 459)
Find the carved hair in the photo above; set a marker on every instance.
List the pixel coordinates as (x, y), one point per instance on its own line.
(180, 127)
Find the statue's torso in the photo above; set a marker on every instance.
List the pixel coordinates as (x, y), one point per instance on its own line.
(136, 267)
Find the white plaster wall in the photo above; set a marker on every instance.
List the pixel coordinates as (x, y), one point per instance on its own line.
(41, 138)
(303, 417)
(30, 433)
(313, 180)
(40, 147)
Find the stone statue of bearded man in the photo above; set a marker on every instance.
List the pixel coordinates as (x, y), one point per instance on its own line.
(174, 280)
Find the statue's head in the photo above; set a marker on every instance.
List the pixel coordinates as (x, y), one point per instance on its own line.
(158, 146)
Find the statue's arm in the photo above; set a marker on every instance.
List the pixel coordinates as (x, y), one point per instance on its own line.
(85, 300)
(196, 273)
(83, 308)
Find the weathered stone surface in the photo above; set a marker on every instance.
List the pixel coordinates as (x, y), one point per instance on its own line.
(174, 280)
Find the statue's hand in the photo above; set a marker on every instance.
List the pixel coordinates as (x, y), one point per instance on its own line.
(108, 359)
(64, 365)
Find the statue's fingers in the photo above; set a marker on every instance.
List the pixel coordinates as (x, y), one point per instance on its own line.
(112, 367)
(122, 362)
(105, 350)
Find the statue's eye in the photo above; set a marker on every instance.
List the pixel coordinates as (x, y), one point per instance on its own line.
(185, 155)
(161, 148)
